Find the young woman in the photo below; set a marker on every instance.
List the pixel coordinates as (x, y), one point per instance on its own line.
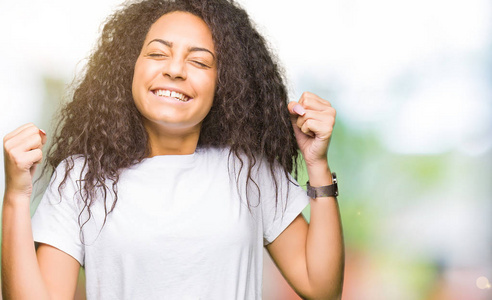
(171, 169)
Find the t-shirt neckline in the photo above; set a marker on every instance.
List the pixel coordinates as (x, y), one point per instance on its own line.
(169, 160)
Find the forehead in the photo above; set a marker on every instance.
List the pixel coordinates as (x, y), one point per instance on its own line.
(181, 27)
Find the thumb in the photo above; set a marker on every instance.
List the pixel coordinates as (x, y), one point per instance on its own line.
(42, 133)
(296, 109)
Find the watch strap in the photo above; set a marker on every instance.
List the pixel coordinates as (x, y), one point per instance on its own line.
(324, 191)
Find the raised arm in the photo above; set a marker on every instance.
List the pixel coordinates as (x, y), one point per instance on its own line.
(311, 257)
(51, 274)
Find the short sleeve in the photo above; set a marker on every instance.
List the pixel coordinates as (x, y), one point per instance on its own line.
(277, 216)
(55, 221)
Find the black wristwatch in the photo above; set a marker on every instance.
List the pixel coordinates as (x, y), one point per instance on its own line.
(324, 191)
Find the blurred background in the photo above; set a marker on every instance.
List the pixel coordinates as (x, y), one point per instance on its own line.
(412, 148)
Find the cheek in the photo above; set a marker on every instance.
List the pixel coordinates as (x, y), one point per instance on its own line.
(211, 85)
(144, 71)
(142, 77)
(136, 78)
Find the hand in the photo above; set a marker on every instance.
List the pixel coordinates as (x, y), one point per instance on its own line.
(313, 119)
(22, 152)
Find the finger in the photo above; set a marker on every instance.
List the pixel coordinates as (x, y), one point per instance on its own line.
(25, 160)
(42, 133)
(328, 116)
(26, 130)
(34, 156)
(320, 123)
(296, 109)
(317, 128)
(22, 132)
(33, 142)
(26, 140)
(16, 131)
(305, 128)
(311, 101)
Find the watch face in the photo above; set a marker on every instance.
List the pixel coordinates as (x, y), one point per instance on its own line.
(335, 183)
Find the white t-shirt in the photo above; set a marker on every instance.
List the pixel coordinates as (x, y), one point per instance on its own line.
(179, 229)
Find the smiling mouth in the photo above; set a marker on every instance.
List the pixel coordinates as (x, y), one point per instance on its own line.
(166, 93)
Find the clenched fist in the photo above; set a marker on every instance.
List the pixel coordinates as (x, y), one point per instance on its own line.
(313, 119)
(22, 152)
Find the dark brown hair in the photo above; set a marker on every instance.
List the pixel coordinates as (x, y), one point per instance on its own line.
(101, 123)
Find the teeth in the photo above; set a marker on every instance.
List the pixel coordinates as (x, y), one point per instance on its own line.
(173, 94)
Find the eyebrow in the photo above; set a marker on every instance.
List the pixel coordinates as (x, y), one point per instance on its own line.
(191, 49)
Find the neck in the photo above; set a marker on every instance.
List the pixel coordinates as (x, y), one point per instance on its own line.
(172, 142)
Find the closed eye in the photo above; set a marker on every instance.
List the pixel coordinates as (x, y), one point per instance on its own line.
(200, 64)
(156, 55)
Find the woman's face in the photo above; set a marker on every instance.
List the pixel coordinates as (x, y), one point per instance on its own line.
(175, 74)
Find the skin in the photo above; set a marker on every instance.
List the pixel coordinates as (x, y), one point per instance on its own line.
(311, 256)
(20, 266)
(178, 54)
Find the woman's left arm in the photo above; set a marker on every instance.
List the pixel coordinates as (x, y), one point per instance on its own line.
(311, 257)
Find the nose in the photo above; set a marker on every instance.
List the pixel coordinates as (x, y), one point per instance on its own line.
(175, 68)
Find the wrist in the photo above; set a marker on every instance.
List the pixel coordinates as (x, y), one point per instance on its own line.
(16, 199)
(319, 174)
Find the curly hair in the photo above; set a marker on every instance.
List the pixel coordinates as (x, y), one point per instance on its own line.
(101, 123)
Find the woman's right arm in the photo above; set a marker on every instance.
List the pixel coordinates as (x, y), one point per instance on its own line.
(49, 273)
